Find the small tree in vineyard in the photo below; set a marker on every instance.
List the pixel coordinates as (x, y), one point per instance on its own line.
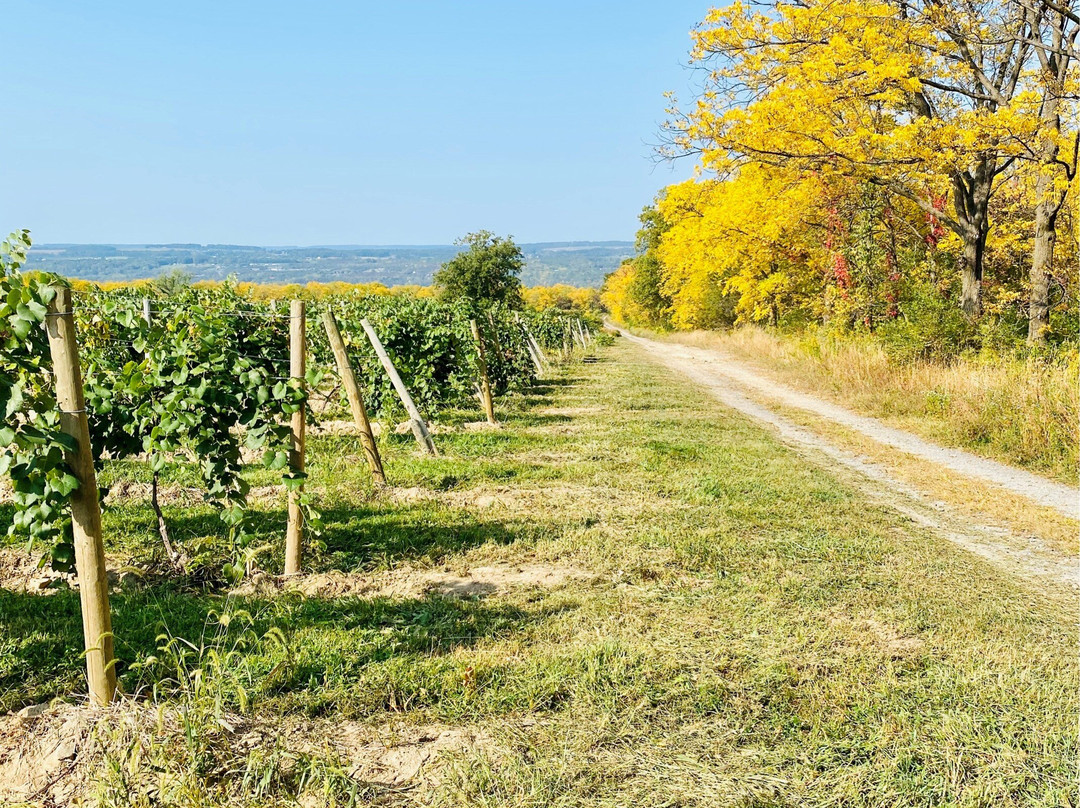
(487, 272)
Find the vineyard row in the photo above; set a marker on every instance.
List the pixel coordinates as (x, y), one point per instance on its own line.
(207, 376)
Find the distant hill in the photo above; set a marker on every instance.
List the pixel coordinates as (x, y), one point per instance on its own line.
(578, 263)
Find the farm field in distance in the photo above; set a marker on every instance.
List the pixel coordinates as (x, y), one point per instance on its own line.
(627, 594)
(572, 263)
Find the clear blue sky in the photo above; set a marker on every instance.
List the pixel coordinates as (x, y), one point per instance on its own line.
(280, 123)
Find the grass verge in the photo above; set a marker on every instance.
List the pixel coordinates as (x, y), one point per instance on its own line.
(751, 632)
(1023, 412)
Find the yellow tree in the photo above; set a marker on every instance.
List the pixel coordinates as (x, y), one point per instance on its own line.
(922, 97)
(1052, 27)
(751, 238)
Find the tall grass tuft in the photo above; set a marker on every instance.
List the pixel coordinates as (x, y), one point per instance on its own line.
(194, 742)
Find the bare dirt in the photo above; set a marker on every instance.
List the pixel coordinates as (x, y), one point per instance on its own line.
(21, 571)
(517, 500)
(396, 756)
(415, 583)
(39, 747)
(50, 754)
(126, 490)
(727, 380)
(343, 427)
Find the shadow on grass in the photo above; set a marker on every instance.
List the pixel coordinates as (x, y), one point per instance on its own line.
(367, 535)
(326, 639)
(382, 535)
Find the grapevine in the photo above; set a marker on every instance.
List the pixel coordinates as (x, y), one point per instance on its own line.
(200, 375)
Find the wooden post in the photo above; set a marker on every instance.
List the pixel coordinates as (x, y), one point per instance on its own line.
(419, 428)
(543, 360)
(484, 386)
(531, 345)
(297, 356)
(146, 310)
(85, 510)
(537, 364)
(356, 402)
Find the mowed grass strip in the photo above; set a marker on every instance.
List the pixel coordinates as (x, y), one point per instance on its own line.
(753, 633)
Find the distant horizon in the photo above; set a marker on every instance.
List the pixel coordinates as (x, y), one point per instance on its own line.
(575, 263)
(371, 246)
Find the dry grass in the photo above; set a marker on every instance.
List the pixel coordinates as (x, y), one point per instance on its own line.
(982, 503)
(1021, 412)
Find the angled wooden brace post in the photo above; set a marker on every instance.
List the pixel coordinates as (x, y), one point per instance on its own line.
(356, 401)
(419, 427)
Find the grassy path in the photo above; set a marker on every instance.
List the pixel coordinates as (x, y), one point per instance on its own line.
(722, 623)
(1063, 498)
(1037, 541)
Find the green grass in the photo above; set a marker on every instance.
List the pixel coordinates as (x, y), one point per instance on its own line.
(757, 633)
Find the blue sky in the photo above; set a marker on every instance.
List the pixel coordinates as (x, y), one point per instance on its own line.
(336, 123)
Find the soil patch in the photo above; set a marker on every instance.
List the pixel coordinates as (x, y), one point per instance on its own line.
(570, 411)
(479, 426)
(410, 495)
(411, 583)
(39, 749)
(343, 427)
(19, 572)
(525, 499)
(23, 572)
(397, 755)
(128, 490)
(50, 754)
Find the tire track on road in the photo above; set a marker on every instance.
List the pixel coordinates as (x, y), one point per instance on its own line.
(1024, 555)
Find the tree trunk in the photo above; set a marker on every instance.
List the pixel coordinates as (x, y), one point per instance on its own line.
(1042, 259)
(1046, 211)
(1054, 29)
(971, 200)
(971, 271)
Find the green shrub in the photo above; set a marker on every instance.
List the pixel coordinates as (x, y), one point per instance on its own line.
(930, 327)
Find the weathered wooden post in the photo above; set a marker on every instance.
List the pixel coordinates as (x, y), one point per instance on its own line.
(419, 427)
(356, 401)
(543, 360)
(146, 310)
(85, 510)
(294, 536)
(537, 364)
(484, 385)
(535, 354)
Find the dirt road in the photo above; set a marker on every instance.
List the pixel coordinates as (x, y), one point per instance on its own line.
(730, 381)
